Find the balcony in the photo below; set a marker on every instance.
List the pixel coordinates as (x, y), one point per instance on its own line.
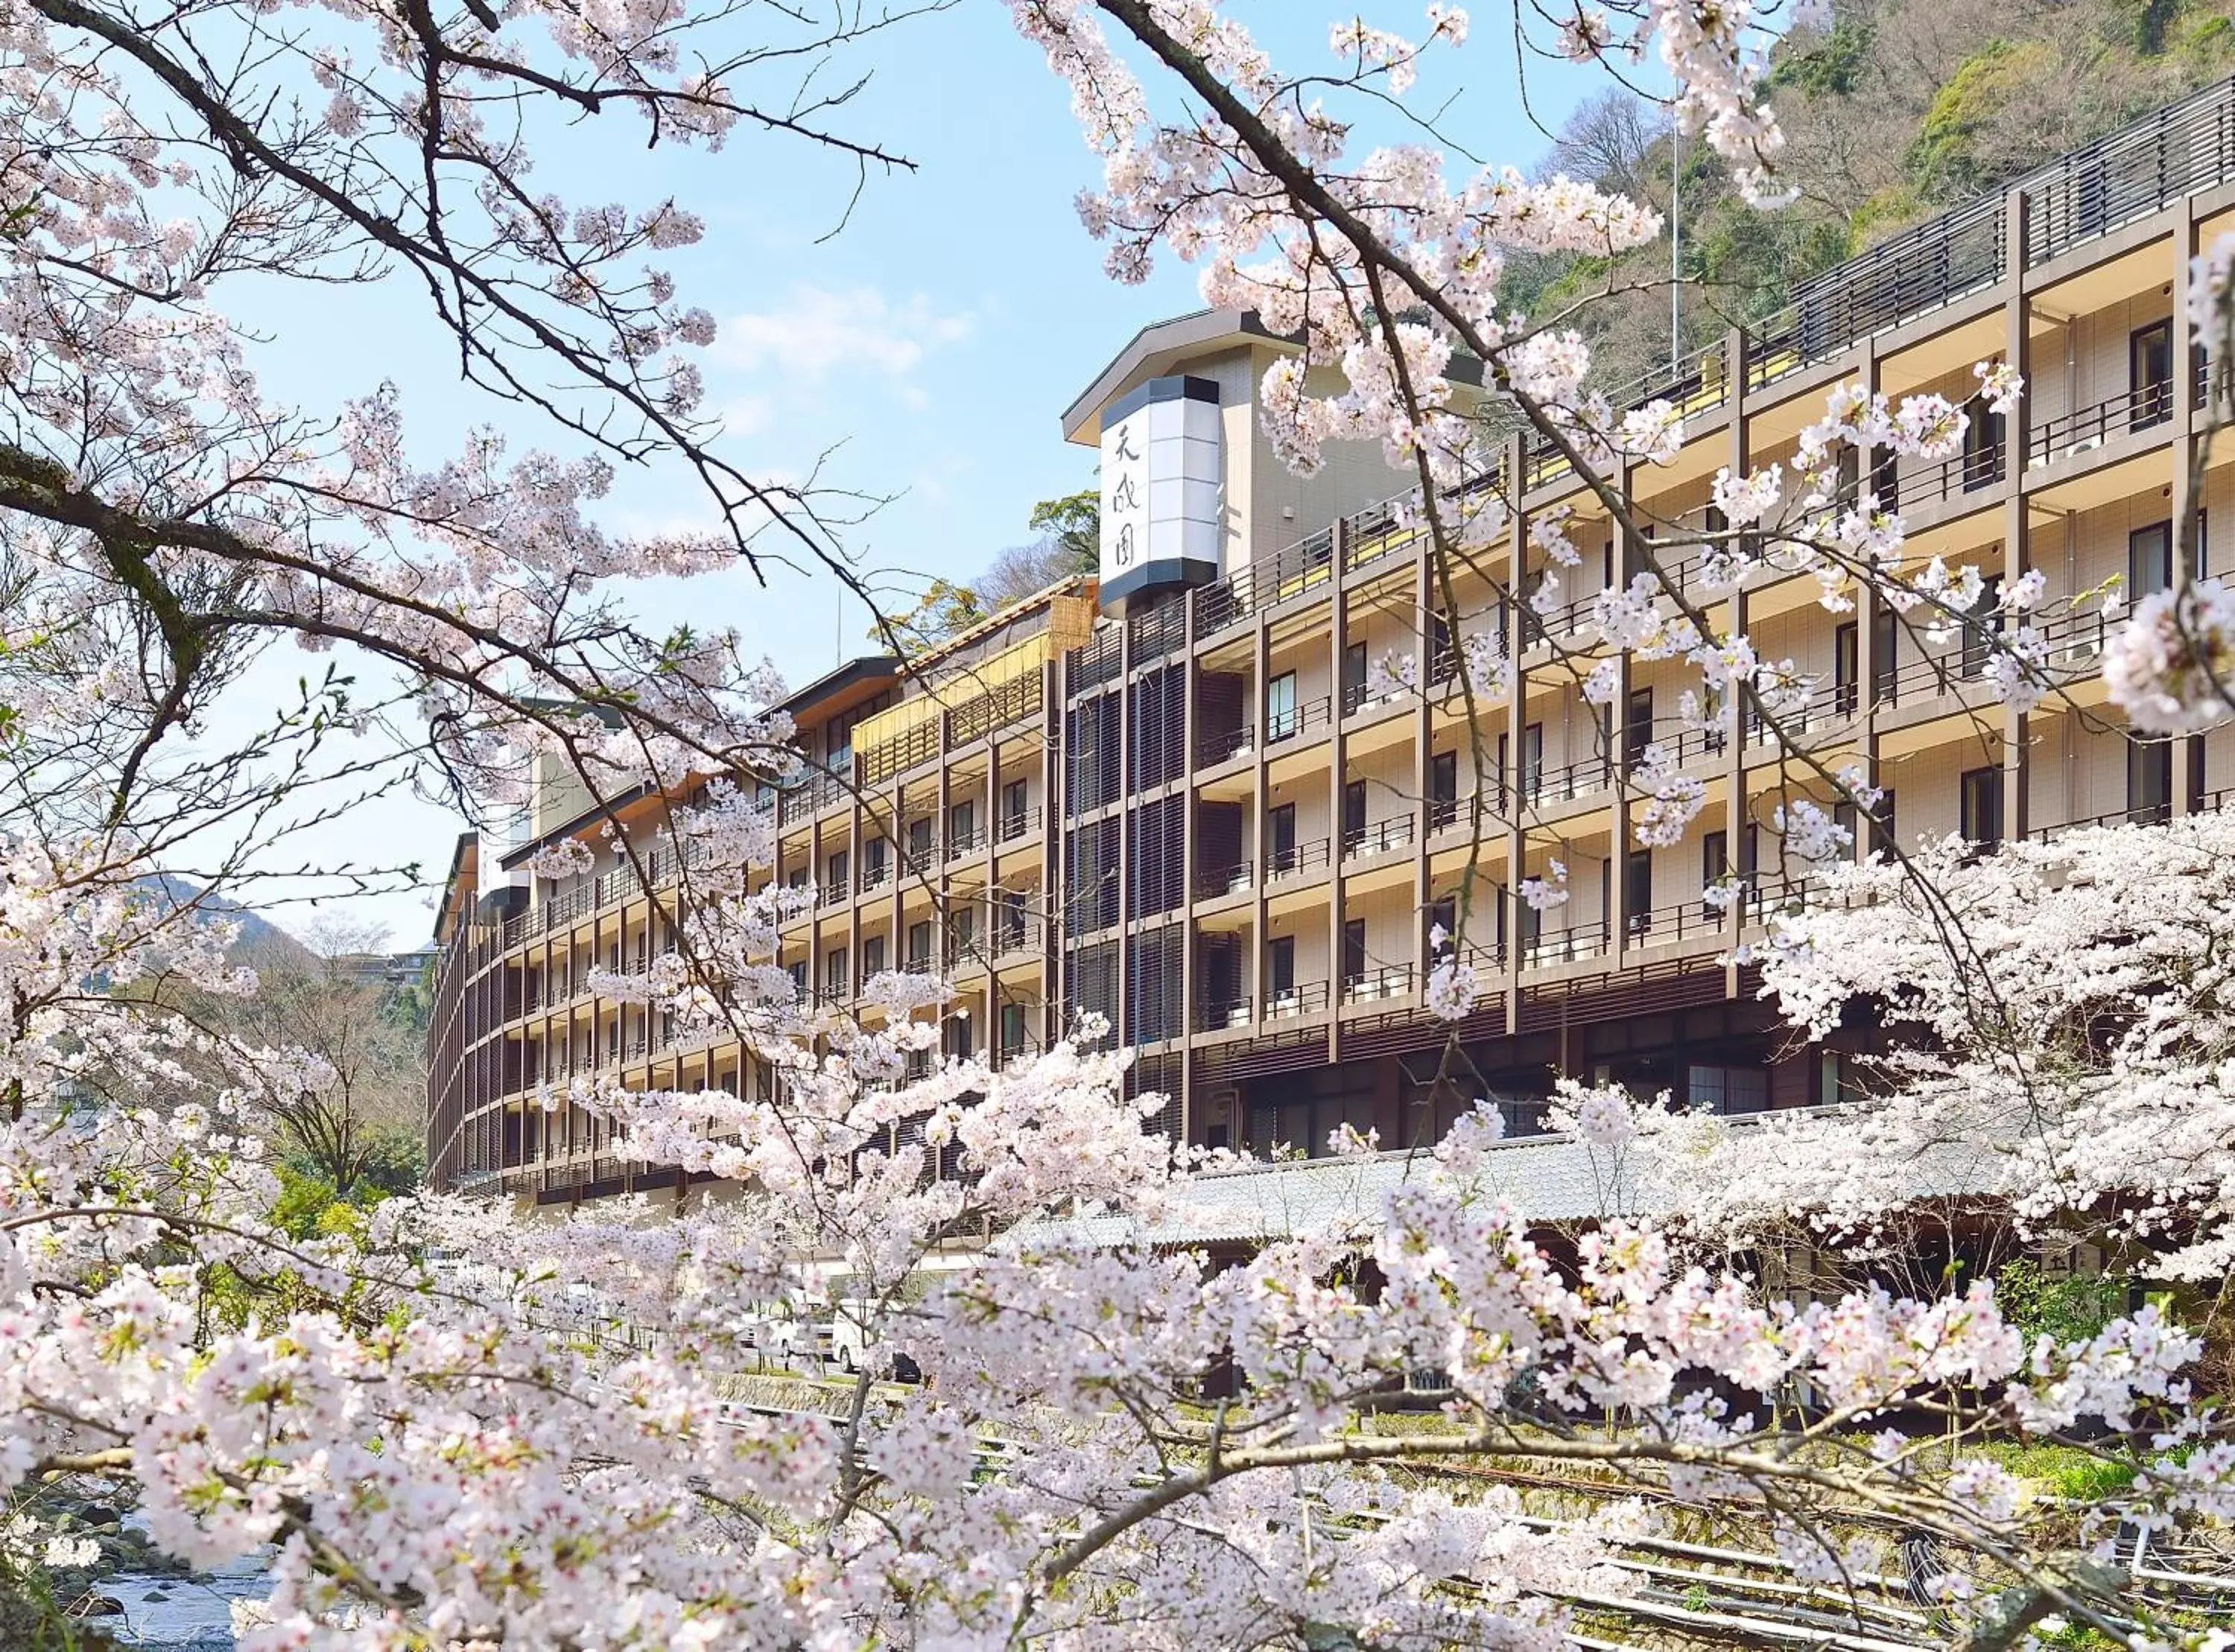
(1377, 838)
(1021, 824)
(1357, 697)
(1564, 785)
(1297, 861)
(1370, 986)
(1290, 721)
(2138, 814)
(873, 877)
(1687, 919)
(1549, 948)
(961, 844)
(2070, 435)
(1215, 746)
(1218, 882)
(1223, 1015)
(1295, 1001)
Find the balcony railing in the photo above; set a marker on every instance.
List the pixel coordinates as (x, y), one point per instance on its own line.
(1391, 981)
(2136, 815)
(965, 842)
(1221, 1014)
(1291, 721)
(873, 877)
(1568, 782)
(1377, 838)
(1679, 921)
(1214, 883)
(1570, 946)
(1304, 998)
(2070, 435)
(1215, 745)
(2130, 173)
(1359, 697)
(1019, 824)
(1296, 861)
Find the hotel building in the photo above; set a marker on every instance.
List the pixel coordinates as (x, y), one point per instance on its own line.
(1172, 795)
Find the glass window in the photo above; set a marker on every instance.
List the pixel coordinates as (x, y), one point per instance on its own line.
(1280, 720)
(2149, 560)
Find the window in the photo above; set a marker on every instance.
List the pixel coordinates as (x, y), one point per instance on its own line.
(918, 944)
(1638, 732)
(873, 862)
(1849, 819)
(1532, 762)
(1353, 950)
(1716, 1089)
(1280, 837)
(873, 955)
(1885, 638)
(798, 879)
(1445, 914)
(1353, 815)
(1982, 626)
(1443, 790)
(2149, 376)
(1014, 807)
(1882, 825)
(1443, 659)
(1009, 915)
(1280, 720)
(841, 873)
(1444, 777)
(1281, 969)
(1013, 1031)
(798, 974)
(962, 932)
(1637, 891)
(1353, 677)
(835, 981)
(2149, 560)
(1982, 446)
(918, 837)
(1715, 863)
(963, 824)
(1847, 665)
(1981, 804)
(2149, 780)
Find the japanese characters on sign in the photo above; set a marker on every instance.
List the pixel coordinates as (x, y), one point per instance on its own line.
(1161, 475)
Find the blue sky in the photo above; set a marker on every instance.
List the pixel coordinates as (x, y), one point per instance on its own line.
(924, 351)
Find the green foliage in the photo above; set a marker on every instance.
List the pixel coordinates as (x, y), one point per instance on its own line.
(944, 611)
(1944, 160)
(308, 1206)
(1074, 522)
(2070, 1308)
(1832, 67)
(2059, 1471)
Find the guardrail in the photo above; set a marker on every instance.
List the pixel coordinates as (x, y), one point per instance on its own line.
(1377, 838)
(2083, 429)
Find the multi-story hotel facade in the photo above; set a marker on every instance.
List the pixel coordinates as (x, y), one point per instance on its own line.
(1175, 796)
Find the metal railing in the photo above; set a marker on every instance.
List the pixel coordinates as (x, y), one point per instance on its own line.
(1295, 720)
(2135, 814)
(1568, 782)
(1377, 838)
(1678, 921)
(1019, 824)
(1217, 883)
(1359, 697)
(1221, 1014)
(1295, 861)
(1390, 981)
(2069, 435)
(873, 877)
(2130, 173)
(1550, 947)
(1216, 745)
(1304, 998)
(970, 841)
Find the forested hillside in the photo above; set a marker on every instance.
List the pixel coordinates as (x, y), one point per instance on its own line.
(1901, 108)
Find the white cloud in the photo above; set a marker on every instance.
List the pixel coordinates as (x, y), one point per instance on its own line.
(818, 332)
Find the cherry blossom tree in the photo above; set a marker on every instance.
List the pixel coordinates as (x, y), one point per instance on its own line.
(428, 1423)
